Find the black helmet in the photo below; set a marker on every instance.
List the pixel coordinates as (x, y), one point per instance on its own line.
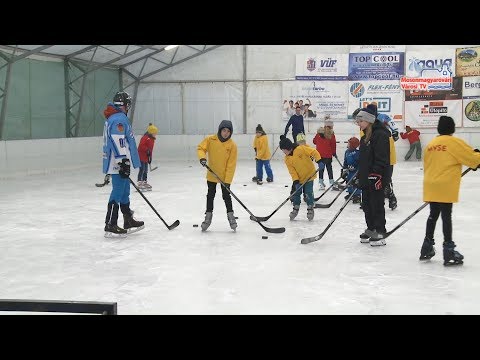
(123, 99)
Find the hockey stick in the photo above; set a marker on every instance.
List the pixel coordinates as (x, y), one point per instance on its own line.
(152, 169)
(105, 181)
(267, 229)
(341, 165)
(336, 182)
(260, 218)
(325, 206)
(169, 227)
(271, 157)
(319, 236)
(388, 233)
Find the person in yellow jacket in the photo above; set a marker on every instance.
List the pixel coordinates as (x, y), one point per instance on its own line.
(298, 159)
(222, 159)
(443, 160)
(262, 155)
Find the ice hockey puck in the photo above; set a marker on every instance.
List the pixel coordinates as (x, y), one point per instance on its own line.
(286, 185)
(195, 225)
(264, 237)
(244, 184)
(236, 217)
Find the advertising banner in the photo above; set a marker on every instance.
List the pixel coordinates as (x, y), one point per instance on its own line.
(425, 114)
(467, 61)
(331, 67)
(376, 62)
(471, 101)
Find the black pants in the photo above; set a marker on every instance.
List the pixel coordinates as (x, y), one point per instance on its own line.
(446, 210)
(373, 205)
(212, 189)
(388, 188)
(328, 165)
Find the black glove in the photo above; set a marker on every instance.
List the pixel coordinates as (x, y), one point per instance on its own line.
(344, 174)
(476, 150)
(282, 137)
(149, 156)
(203, 161)
(124, 170)
(395, 135)
(296, 184)
(375, 181)
(255, 150)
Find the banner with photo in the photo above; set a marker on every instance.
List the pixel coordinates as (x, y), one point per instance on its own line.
(326, 98)
(471, 101)
(376, 62)
(431, 63)
(386, 94)
(425, 114)
(467, 61)
(331, 67)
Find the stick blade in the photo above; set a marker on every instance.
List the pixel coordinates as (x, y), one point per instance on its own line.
(174, 225)
(259, 218)
(311, 239)
(99, 185)
(322, 206)
(272, 230)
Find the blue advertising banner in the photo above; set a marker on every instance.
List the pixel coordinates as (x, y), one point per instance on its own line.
(376, 66)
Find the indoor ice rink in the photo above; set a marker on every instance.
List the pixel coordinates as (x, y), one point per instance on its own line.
(53, 216)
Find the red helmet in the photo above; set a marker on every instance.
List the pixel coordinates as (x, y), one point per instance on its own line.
(353, 143)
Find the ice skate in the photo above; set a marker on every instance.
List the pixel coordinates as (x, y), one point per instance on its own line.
(377, 239)
(310, 212)
(259, 182)
(294, 212)
(269, 179)
(131, 225)
(208, 220)
(232, 221)
(356, 199)
(428, 250)
(254, 179)
(321, 185)
(114, 231)
(147, 186)
(365, 236)
(450, 256)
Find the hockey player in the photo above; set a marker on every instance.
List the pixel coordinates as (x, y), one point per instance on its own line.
(373, 173)
(443, 160)
(326, 145)
(222, 159)
(119, 149)
(350, 167)
(145, 151)
(298, 159)
(262, 155)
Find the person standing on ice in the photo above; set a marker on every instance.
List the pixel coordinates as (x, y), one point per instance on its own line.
(296, 121)
(262, 155)
(373, 173)
(145, 151)
(222, 159)
(443, 160)
(119, 149)
(350, 168)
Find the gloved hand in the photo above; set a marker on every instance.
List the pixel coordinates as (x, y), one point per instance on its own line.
(351, 168)
(203, 161)
(124, 170)
(395, 135)
(149, 156)
(476, 150)
(375, 181)
(255, 150)
(282, 137)
(321, 164)
(296, 184)
(345, 174)
(402, 133)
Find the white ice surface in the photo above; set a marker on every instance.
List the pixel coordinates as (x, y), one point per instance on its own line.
(52, 248)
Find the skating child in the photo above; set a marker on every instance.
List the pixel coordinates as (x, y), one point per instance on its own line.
(145, 151)
(222, 159)
(262, 155)
(350, 167)
(326, 145)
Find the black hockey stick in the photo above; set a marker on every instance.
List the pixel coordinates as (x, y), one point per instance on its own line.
(319, 236)
(105, 181)
(169, 227)
(325, 206)
(341, 165)
(267, 229)
(336, 182)
(152, 169)
(388, 233)
(265, 218)
(271, 157)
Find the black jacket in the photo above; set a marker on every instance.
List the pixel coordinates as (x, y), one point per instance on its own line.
(375, 155)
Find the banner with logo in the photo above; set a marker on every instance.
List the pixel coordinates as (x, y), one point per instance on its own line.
(471, 101)
(386, 94)
(425, 114)
(326, 98)
(455, 93)
(431, 63)
(376, 62)
(467, 61)
(330, 67)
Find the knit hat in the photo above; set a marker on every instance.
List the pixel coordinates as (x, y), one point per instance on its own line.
(446, 125)
(286, 144)
(372, 109)
(353, 143)
(365, 115)
(152, 129)
(259, 129)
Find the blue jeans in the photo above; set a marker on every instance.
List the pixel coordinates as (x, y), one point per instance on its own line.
(120, 190)
(268, 169)
(143, 171)
(307, 190)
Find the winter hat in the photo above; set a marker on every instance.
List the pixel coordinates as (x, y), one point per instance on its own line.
(353, 143)
(152, 129)
(365, 115)
(259, 129)
(372, 109)
(446, 125)
(286, 144)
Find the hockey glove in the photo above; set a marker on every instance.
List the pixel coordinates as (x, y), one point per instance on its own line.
(344, 174)
(124, 170)
(375, 181)
(296, 184)
(395, 135)
(203, 161)
(282, 137)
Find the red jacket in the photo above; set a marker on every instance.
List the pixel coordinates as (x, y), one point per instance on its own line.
(145, 147)
(325, 147)
(412, 136)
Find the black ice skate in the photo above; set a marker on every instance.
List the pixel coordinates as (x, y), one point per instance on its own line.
(259, 182)
(208, 220)
(114, 231)
(365, 236)
(232, 221)
(377, 239)
(294, 212)
(451, 256)
(428, 250)
(254, 179)
(131, 225)
(269, 179)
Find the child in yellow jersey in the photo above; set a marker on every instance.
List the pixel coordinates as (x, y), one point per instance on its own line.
(222, 159)
(298, 159)
(262, 155)
(443, 160)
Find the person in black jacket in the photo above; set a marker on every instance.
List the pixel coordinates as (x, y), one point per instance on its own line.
(373, 173)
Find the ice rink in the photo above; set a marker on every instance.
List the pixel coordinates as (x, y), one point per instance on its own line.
(53, 248)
